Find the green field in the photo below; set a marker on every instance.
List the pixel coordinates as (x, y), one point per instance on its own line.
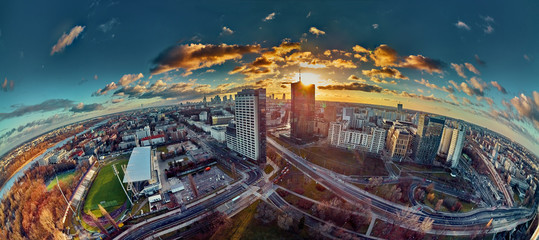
(106, 190)
(64, 177)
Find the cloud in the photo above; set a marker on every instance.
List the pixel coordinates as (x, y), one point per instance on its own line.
(384, 72)
(226, 31)
(129, 78)
(528, 107)
(384, 55)
(316, 31)
(455, 85)
(462, 25)
(308, 14)
(195, 56)
(488, 19)
(81, 107)
(488, 29)
(355, 78)
(478, 84)
(487, 99)
(270, 17)
(422, 63)
(527, 57)
(8, 85)
(96, 77)
(105, 27)
(210, 70)
(452, 96)
(479, 61)
(426, 83)
(360, 49)
(117, 100)
(375, 26)
(105, 90)
(67, 39)
(470, 90)
(499, 87)
(353, 86)
(472, 68)
(459, 68)
(45, 106)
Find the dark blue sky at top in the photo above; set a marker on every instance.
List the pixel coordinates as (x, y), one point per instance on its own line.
(143, 29)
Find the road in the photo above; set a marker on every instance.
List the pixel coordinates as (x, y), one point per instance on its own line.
(451, 223)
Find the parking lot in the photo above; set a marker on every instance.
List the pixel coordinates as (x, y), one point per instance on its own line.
(206, 181)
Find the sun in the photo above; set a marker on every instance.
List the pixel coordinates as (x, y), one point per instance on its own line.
(311, 78)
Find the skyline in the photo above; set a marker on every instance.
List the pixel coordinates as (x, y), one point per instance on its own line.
(103, 57)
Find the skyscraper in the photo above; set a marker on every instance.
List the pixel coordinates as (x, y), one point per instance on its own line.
(429, 133)
(250, 128)
(302, 118)
(399, 107)
(457, 142)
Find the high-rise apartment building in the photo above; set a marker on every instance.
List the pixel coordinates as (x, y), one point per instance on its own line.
(398, 142)
(303, 111)
(248, 135)
(429, 133)
(372, 140)
(457, 142)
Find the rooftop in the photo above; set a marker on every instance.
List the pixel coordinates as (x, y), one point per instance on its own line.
(139, 166)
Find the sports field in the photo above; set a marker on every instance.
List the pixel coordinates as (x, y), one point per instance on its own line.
(64, 177)
(106, 189)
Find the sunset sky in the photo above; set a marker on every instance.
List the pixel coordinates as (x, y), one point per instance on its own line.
(63, 61)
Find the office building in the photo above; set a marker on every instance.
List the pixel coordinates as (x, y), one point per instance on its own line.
(399, 107)
(445, 142)
(248, 135)
(429, 133)
(302, 119)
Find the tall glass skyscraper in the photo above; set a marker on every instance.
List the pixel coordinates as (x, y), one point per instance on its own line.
(302, 118)
(429, 134)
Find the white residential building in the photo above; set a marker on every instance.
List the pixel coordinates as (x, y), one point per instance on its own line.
(457, 142)
(372, 140)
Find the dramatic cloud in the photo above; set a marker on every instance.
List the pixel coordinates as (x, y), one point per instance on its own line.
(459, 68)
(81, 107)
(452, 96)
(527, 57)
(195, 56)
(383, 56)
(67, 39)
(360, 49)
(377, 80)
(117, 100)
(355, 78)
(499, 87)
(105, 27)
(472, 68)
(422, 63)
(129, 78)
(384, 72)
(488, 29)
(528, 107)
(316, 31)
(105, 90)
(462, 25)
(375, 26)
(471, 91)
(226, 31)
(487, 99)
(46, 106)
(270, 17)
(353, 86)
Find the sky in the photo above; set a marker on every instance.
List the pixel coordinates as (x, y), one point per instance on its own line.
(65, 61)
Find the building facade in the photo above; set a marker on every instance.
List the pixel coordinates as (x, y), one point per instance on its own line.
(457, 142)
(250, 125)
(429, 133)
(372, 140)
(303, 111)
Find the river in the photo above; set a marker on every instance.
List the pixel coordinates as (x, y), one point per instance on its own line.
(21, 171)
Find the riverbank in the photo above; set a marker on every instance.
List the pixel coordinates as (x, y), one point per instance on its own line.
(21, 167)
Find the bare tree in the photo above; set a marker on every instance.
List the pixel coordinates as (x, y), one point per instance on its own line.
(265, 213)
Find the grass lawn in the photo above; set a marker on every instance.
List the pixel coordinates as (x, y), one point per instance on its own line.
(296, 181)
(64, 177)
(106, 190)
(268, 169)
(162, 149)
(245, 226)
(339, 160)
(466, 206)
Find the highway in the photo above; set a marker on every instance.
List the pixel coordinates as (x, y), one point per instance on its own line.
(455, 222)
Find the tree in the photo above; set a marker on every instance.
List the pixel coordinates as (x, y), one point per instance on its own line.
(431, 197)
(284, 221)
(438, 205)
(265, 213)
(301, 223)
(430, 188)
